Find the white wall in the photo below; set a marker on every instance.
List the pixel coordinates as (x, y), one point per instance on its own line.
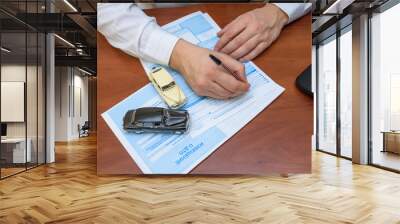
(81, 103)
(61, 112)
(71, 93)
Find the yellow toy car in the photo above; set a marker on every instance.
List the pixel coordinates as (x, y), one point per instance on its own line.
(167, 88)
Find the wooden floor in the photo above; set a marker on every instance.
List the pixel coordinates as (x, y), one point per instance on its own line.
(5, 172)
(70, 192)
(387, 159)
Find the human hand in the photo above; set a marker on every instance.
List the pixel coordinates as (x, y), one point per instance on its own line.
(204, 76)
(251, 33)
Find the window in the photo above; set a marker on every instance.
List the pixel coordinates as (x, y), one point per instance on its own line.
(333, 137)
(346, 92)
(385, 89)
(327, 95)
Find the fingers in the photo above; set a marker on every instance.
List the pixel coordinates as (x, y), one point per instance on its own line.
(228, 33)
(245, 48)
(207, 86)
(207, 78)
(221, 85)
(238, 41)
(256, 51)
(227, 27)
(231, 84)
(219, 91)
(221, 32)
(233, 65)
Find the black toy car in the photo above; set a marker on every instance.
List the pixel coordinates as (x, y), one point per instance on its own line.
(155, 119)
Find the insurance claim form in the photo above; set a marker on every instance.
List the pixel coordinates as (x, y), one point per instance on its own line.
(212, 121)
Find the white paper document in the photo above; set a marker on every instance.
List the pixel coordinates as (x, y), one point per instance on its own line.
(212, 121)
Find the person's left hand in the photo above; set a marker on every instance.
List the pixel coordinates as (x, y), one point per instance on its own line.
(251, 33)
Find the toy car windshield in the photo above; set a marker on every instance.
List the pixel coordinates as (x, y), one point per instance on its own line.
(168, 86)
(155, 119)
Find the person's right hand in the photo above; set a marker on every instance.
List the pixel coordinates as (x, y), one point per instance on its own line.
(204, 76)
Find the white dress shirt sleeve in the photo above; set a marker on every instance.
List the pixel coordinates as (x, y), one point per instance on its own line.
(294, 10)
(128, 28)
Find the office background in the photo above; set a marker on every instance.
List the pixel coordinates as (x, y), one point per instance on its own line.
(39, 108)
(54, 57)
(48, 71)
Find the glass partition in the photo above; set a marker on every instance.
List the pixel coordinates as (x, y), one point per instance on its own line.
(32, 86)
(327, 95)
(23, 91)
(13, 95)
(31, 99)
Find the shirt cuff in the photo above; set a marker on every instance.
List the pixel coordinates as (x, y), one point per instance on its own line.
(294, 10)
(157, 44)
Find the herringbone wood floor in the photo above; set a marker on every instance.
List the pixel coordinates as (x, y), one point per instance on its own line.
(70, 192)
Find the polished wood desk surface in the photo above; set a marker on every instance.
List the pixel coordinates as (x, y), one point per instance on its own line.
(278, 140)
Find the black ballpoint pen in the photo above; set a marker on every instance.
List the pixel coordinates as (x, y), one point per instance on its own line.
(219, 62)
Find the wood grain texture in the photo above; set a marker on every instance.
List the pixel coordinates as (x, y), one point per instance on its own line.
(276, 141)
(70, 191)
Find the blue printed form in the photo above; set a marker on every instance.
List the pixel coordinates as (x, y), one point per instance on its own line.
(212, 121)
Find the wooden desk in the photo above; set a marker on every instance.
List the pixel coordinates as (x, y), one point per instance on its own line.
(391, 141)
(278, 140)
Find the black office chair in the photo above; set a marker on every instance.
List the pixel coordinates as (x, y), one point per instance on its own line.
(84, 130)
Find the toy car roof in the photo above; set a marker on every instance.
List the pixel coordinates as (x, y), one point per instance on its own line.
(162, 78)
(149, 114)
